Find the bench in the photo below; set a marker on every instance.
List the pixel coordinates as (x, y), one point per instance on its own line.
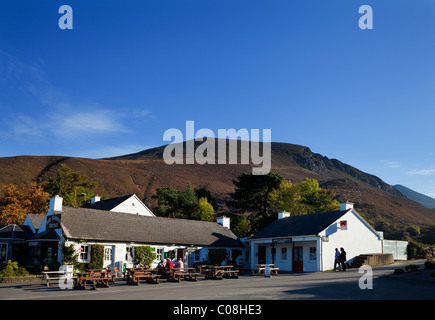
(48, 276)
(231, 274)
(92, 277)
(260, 271)
(136, 276)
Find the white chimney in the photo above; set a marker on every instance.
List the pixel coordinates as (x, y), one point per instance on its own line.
(346, 206)
(224, 221)
(95, 199)
(284, 214)
(56, 203)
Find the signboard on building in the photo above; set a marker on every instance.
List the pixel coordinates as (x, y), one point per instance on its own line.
(343, 224)
(53, 222)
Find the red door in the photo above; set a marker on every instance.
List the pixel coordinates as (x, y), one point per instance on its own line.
(298, 260)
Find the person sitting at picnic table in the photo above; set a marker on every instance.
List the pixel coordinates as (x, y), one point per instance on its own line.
(161, 266)
(179, 264)
(169, 264)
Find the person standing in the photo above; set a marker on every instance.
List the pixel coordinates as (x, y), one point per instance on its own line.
(343, 259)
(337, 266)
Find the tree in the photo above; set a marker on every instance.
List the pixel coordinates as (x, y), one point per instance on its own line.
(303, 198)
(251, 196)
(71, 185)
(241, 226)
(176, 203)
(316, 199)
(252, 192)
(206, 211)
(17, 202)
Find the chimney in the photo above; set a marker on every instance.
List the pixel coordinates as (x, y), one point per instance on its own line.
(95, 199)
(283, 214)
(56, 203)
(223, 221)
(346, 206)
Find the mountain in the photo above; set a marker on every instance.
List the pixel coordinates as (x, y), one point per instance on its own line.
(141, 173)
(424, 200)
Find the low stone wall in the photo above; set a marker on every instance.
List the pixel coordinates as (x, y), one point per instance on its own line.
(19, 279)
(374, 259)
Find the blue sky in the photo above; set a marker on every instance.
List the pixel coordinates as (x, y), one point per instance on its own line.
(130, 70)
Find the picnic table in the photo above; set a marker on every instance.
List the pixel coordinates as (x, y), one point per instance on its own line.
(261, 268)
(96, 277)
(175, 274)
(48, 276)
(218, 272)
(135, 275)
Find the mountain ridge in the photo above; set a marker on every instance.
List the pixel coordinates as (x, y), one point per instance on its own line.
(142, 172)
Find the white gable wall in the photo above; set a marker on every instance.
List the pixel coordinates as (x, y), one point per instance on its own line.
(359, 238)
(134, 206)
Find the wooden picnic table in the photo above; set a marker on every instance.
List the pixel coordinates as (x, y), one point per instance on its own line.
(261, 268)
(48, 276)
(175, 274)
(94, 276)
(218, 272)
(135, 275)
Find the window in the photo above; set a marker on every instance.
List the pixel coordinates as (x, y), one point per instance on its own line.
(313, 253)
(108, 254)
(129, 254)
(284, 253)
(159, 254)
(3, 252)
(196, 255)
(84, 252)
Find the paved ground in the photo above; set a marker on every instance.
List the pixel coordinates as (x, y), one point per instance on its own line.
(326, 285)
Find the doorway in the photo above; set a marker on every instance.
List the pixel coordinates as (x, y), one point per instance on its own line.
(298, 259)
(261, 254)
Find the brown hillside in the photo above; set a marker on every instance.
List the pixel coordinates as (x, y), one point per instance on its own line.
(143, 172)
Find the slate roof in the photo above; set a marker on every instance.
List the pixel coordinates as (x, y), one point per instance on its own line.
(108, 204)
(14, 231)
(310, 224)
(36, 219)
(98, 225)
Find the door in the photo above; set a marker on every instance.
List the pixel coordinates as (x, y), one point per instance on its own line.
(108, 256)
(298, 259)
(261, 254)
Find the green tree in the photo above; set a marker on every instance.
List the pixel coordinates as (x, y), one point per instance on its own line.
(252, 192)
(144, 255)
(241, 226)
(72, 186)
(206, 211)
(176, 203)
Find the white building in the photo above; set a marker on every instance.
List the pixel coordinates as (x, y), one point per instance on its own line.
(121, 232)
(307, 242)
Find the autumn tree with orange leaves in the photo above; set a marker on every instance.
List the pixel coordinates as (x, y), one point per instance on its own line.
(17, 202)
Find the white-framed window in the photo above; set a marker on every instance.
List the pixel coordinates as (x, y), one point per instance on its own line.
(284, 253)
(159, 254)
(3, 253)
(84, 252)
(107, 253)
(313, 253)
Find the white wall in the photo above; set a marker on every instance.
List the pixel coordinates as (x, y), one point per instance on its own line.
(134, 206)
(357, 239)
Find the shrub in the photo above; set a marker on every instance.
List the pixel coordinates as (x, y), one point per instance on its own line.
(412, 267)
(399, 271)
(429, 264)
(216, 256)
(144, 255)
(12, 269)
